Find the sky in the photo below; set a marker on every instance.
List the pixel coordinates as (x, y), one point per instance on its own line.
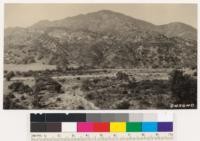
(25, 15)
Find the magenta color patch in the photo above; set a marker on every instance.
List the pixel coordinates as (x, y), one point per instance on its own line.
(85, 127)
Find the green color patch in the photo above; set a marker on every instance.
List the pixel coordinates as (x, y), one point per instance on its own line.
(133, 127)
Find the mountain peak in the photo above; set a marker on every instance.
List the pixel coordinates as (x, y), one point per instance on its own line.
(107, 13)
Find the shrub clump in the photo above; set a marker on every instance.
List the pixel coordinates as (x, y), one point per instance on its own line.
(10, 103)
(86, 85)
(122, 76)
(90, 96)
(20, 87)
(44, 83)
(124, 104)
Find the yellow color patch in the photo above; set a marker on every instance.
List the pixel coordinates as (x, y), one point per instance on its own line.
(117, 126)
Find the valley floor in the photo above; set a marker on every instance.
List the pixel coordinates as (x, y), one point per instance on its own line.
(101, 89)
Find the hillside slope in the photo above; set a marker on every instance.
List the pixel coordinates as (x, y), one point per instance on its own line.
(102, 39)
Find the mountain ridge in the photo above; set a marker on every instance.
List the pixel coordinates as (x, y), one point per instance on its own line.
(147, 25)
(103, 39)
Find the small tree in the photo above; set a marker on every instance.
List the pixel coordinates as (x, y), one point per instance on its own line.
(6, 102)
(183, 87)
(132, 83)
(9, 75)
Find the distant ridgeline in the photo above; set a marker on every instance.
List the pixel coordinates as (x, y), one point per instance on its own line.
(103, 39)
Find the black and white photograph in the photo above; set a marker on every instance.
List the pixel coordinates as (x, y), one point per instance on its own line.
(100, 56)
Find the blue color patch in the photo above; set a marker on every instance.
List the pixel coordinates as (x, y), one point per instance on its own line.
(149, 126)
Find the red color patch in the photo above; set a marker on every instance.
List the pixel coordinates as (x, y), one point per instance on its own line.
(101, 127)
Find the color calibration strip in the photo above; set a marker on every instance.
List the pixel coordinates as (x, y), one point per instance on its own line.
(112, 123)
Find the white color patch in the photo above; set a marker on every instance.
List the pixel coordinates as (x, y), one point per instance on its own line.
(69, 127)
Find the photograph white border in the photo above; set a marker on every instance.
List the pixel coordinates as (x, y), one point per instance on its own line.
(186, 119)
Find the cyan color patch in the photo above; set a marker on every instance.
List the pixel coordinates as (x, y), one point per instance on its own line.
(149, 126)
